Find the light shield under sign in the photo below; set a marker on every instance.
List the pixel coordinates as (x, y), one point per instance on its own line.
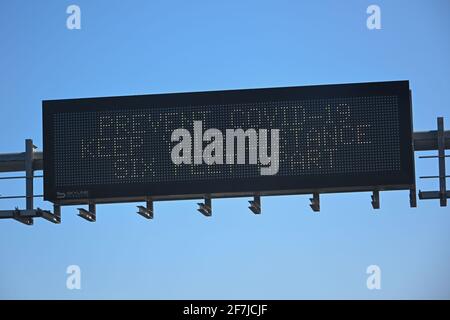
(332, 138)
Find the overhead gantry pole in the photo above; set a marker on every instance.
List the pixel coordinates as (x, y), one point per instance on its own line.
(435, 140)
(28, 161)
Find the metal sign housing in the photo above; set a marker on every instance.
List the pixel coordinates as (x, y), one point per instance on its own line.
(332, 138)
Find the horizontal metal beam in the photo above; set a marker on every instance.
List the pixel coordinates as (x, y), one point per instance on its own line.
(11, 162)
(21, 197)
(428, 140)
(5, 214)
(432, 177)
(26, 216)
(428, 195)
(18, 177)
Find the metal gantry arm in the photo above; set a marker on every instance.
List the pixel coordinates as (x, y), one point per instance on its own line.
(28, 161)
(435, 140)
(32, 160)
(13, 162)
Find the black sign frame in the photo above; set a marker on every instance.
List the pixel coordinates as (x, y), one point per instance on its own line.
(264, 185)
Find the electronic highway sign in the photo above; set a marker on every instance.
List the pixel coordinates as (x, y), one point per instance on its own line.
(292, 140)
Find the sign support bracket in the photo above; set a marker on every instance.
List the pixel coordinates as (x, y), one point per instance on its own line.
(315, 202)
(375, 199)
(147, 211)
(88, 215)
(206, 207)
(255, 204)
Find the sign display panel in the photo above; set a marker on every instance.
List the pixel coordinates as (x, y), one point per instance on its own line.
(330, 138)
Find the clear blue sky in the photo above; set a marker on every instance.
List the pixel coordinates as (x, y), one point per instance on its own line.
(139, 47)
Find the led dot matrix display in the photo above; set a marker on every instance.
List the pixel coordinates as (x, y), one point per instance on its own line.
(353, 136)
